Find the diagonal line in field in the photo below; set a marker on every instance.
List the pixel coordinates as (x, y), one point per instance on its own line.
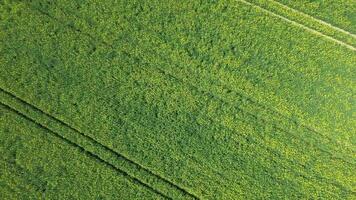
(206, 92)
(73, 144)
(202, 91)
(314, 18)
(92, 141)
(300, 25)
(84, 33)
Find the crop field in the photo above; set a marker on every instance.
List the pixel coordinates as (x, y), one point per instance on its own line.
(168, 99)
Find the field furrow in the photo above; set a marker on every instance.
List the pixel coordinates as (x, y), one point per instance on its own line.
(207, 100)
(339, 13)
(30, 147)
(308, 22)
(89, 146)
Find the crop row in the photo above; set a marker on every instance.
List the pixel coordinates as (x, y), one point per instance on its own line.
(170, 119)
(41, 165)
(302, 83)
(92, 148)
(308, 21)
(336, 13)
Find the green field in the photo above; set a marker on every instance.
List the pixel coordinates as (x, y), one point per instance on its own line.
(232, 99)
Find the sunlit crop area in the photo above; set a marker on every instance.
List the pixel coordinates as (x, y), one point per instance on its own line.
(166, 99)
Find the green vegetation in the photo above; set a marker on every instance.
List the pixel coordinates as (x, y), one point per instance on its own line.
(341, 13)
(311, 23)
(190, 99)
(37, 164)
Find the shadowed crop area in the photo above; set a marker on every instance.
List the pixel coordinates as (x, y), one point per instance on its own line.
(166, 99)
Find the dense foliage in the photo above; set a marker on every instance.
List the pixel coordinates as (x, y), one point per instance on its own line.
(182, 99)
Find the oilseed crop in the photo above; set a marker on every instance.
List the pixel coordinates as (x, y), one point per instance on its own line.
(167, 99)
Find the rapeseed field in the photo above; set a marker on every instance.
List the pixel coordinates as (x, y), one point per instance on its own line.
(167, 99)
